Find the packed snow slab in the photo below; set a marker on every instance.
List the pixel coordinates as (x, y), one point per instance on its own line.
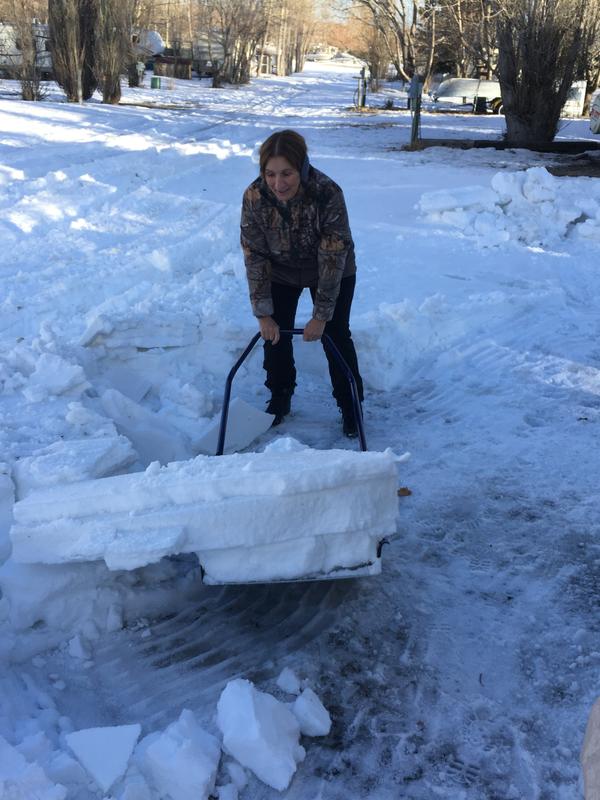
(244, 424)
(282, 514)
(104, 752)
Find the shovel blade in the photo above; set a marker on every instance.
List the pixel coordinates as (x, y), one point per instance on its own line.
(244, 424)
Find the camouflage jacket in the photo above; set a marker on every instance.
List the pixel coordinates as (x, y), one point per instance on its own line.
(305, 242)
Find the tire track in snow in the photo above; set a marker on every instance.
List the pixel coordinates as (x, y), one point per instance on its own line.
(232, 632)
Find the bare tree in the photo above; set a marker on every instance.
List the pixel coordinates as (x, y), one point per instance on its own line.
(397, 22)
(466, 36)
(291, 27)
(588, 67)
(238, 27)
(539, 42)
(112, 46)
(140, 13)
(72, 28)
(29, 57)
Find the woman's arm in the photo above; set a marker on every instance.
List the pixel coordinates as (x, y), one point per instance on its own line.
(256, 258)
(335, 244)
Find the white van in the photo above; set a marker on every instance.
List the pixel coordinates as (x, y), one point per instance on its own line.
(463, 91)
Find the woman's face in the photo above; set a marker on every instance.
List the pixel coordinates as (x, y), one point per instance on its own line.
(282, 179)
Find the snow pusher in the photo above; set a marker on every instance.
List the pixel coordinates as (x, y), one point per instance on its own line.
(329, 344)
(289, 513)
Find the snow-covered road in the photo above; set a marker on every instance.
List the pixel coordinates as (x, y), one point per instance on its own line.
(466, 670)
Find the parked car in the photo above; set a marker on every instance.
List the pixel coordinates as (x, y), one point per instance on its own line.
(465, 91)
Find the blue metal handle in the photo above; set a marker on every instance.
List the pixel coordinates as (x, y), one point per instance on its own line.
(327, 341)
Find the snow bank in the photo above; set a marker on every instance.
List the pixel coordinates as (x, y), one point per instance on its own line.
(256, 516)
(260, 732)
(531, 207)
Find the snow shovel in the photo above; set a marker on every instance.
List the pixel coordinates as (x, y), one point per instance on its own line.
(331, 347)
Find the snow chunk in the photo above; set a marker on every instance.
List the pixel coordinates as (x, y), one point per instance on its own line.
(20, 780)
(472, 197)
(228, 792)
(260, 732)
(182, 761)
(285, 444)
(312, 716)
(152, 437)
(142, 317)
(288, 681)
(244, 424)
(54, 376)
(237, 774)
(72, 460)
(79, 648)
(105, 752)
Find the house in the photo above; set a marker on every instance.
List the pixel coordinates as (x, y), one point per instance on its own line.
(11, 57)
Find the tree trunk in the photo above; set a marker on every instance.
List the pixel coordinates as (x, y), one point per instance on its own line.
(72, 24)
(538, 42)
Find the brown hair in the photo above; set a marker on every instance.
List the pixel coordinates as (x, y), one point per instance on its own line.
(289, 144)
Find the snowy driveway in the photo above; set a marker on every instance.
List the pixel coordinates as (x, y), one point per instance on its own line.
(467, 669)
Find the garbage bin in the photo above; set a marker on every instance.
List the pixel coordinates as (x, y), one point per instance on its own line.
(155, 82)
(480, 105)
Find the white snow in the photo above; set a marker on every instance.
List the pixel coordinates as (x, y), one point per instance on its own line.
(532, 207)
(312, 716)
(20, 780)
(343, 504)
(468, 667)
(76, 460)
(260, 732)
(182, 761)
(104, 752)
(288, 681)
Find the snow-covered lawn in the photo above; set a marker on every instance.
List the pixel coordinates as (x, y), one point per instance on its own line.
(467, 668)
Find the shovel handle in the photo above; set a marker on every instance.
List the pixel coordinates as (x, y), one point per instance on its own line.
(329, 345)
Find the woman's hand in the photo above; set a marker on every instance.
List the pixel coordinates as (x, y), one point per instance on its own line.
(269, 329)
(313, 330)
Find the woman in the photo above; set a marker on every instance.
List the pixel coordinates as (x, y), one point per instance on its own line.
(295, 235)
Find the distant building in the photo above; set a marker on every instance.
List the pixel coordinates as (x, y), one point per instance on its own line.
(11, 57)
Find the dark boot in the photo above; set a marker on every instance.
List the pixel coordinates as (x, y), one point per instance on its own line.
(280, 405)
(349, 425)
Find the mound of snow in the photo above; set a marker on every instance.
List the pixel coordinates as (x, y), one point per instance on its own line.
(532, 207)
